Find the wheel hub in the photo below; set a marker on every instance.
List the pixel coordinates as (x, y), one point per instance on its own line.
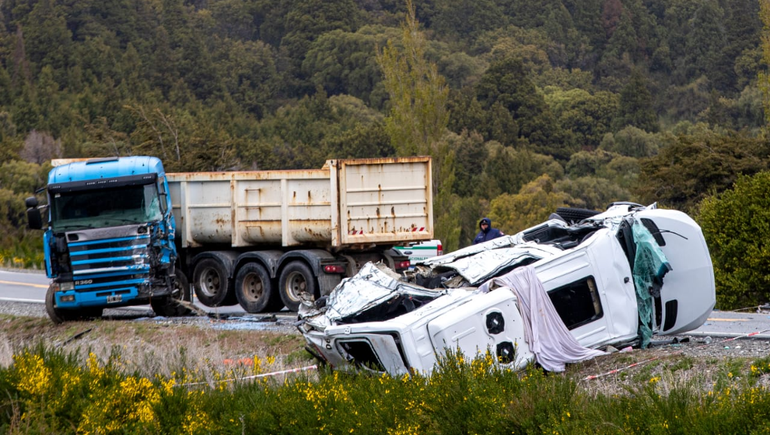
(296, 285)
(252, 286)
(209, 282)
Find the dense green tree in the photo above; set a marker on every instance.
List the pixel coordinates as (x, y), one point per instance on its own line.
(496, 123)
(461, 69)
(586, 118)
(508, 169)
(249, 75)
(635, 106)
(471, 209)
(631, 142)
(530, 206)
(507, 83)
(746, 111)
(591, 192)
(345, 63)
(690, 167)
(741, 29)
(47, 41)
(764, 77)
(678, 24)
(305, 21)
(587, 163)
(235, 19)
(586, 14)
(687, 102)
(732, 224)
(705, 41)
(25, 112)
(463, 20)
(470, 158)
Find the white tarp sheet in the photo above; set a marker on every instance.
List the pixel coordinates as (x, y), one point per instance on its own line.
(545, 333)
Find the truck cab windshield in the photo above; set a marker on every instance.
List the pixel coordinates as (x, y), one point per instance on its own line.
(105, 207)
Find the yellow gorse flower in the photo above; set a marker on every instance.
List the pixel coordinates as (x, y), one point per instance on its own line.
(34, 376)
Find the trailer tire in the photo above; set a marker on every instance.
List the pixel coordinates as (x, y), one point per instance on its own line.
(211, 283)
(574, 215)
(170, 306)
(60, 316)
(296, 279)
(254, 289)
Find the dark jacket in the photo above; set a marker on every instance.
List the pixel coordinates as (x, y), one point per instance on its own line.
(489, 234)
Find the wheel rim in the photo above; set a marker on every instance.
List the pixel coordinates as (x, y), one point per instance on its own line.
(252, 287)
(295, 285)
(177, 291)
(209, 282)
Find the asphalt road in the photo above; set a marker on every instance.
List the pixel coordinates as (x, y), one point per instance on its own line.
(30, 286)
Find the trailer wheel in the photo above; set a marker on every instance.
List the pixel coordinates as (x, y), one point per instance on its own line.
(60, 316)
(254, 289)
(170, 306)
(211, 283)
(574, 215)
(297, 281)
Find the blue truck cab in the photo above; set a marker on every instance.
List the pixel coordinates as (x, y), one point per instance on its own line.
(109, 241)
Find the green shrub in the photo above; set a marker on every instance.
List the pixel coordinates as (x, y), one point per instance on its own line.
(736, 225)
(49, 391)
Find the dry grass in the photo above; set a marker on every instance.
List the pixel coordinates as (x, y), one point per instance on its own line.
(694, 364)
(151, 347)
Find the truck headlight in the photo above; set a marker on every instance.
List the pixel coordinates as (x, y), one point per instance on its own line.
(68, 285)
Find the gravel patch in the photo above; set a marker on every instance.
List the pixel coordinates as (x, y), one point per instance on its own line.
(240, 322)
(28, 309)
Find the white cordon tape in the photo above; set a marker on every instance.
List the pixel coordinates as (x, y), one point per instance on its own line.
(612, 372)
(263, 375)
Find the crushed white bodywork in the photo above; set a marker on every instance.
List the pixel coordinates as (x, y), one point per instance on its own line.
(581, 284)
(373, 286)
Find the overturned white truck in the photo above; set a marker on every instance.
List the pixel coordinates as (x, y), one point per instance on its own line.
(554, 293)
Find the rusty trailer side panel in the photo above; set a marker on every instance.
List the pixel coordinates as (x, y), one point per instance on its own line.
(354, 202)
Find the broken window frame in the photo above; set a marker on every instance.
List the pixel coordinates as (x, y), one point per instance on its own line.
(566, 306)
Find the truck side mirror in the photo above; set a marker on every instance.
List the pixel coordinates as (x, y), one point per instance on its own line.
(162, 195)
(34, 219)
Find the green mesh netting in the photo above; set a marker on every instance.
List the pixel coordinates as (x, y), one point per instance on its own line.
(650, 265)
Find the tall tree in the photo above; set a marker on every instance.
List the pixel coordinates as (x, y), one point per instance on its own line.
(418, 118)
(706, 40)
(636, 105)
(764, 78)
(741, 27)
(418, 93)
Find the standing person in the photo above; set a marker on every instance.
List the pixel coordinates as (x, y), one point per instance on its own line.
(487, 232)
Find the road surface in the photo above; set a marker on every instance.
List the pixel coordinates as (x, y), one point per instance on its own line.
(31, 287)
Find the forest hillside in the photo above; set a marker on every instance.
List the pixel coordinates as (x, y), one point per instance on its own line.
(525, 106)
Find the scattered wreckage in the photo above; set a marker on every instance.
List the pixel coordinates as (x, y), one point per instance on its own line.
(556, 293)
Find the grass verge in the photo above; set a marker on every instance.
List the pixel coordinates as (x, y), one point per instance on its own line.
(52, 390)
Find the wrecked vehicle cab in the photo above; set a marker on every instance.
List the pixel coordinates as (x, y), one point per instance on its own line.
(375, 322)
(612, 278)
